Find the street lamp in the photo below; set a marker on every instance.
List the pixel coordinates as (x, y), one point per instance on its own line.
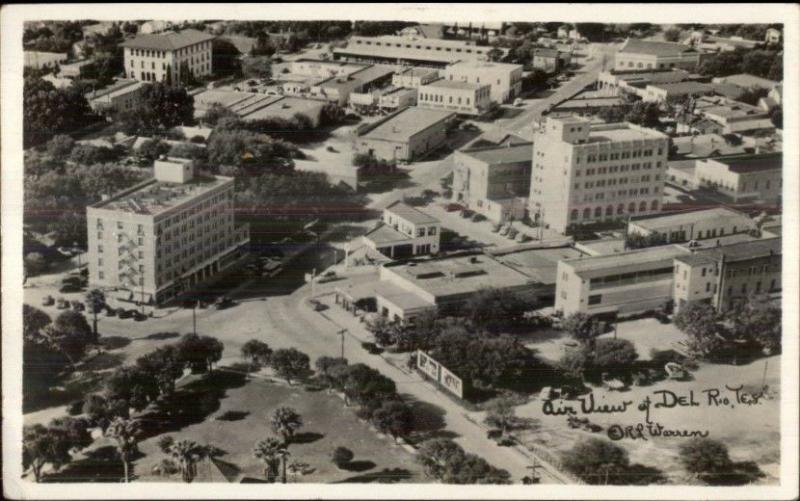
(341, 334)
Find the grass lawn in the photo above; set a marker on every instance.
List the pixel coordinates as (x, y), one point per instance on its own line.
(327, 424)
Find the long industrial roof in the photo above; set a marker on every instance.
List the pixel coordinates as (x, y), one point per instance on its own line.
(405, 124)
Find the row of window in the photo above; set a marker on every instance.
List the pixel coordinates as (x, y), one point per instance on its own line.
(614, 181)
(609, 210)
(619, 194)
(621, 155)
(437, 98)
(641, 65)
(616, 168)
(162, 54)
(426, 47)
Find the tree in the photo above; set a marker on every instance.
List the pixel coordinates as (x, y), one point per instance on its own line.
(752, 95)
(187, 453)
(96, 301)
(705, 458)
(776, 116)
(76, 431)
(71, 334)
(257, 67)
(270, 451)
(101, 411)
(342, 456)
(582, 328)
(672, 35)
(152, 149)
(700, 321)
(646, 114)
(133, 386)
(200, 352)
(617, 355)
(34, 321)
(126, 433)
(42, 446)
(326, 367)
(597, 461)
(495, 54)
(60, 146)
(257, 352)
(285, 422)
(35, 263)
(255, 153)
(501, 414)
(162, 107)
(290, 363)
(435, 455)
(472, 469)
(394, 418)
(756, 319)
(164, 365)
(48, 111)
(498, 309)
(216, 112)
(364, 385)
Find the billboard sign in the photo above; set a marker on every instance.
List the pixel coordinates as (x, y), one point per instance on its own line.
(439, 373)
(427, 365)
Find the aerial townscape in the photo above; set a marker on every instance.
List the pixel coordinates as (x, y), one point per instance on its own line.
(398, 252)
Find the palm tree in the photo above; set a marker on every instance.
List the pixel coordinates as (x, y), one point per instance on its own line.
(187, 454)
(270, 451)
(126, 432)
(95, 299)
(285, 421)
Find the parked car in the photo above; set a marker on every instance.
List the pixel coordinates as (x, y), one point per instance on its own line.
(496, 227)
(478, 218)
(328, 276)
(78, 306)
(518, 102)
(111, 312)
(467, 213)
(512, 233)
(48, 300)
(453, 207)
(66, 288)
(504, 230)
(62, 304)
(222, 302)
(522, 238)
(138, 316)
(123, 313)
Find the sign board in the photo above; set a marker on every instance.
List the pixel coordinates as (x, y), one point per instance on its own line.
(427, 365)
(436, 371)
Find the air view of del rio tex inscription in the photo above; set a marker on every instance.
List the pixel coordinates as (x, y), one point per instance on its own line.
(657, 401)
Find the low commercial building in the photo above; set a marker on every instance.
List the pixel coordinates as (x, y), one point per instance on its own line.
(736, 117)
(668, 91)
(407, 135)
(443, 284)
(505, 79)
(405, 231)
(38, 60)
(319, 68)
(122, 95)
(550, 60)
(335, 81)
(723, 275)
(170, 57)
(414, 77)
(459, 97)
(636, 82)
(638, 54)
(73, 70)
(747, 81)
(396, 99)
(494, 181)
(756, 177)
(693, 225)
(252, 106)
(411, 50)
(149, 242)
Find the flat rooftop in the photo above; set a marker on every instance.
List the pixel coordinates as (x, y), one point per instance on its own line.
(752, 163)
(418, 72)
(153, 197)
(460, 275)
(455, 84)
(411, 214)
(742, 251)
(474, 64)
(255, 106)
(121, 85)
(683, 87)
(373, 72)
(400, 297)
(626, 262)
(405, 124)
(494, 155)
(539, 264)
(621, 132)
(670, 220)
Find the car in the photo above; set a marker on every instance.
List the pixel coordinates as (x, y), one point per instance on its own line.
(496, 227)
(478, 217)
(467, 213)
(512, 233)
(78, 306)
(222, 302)
(111, 312)
(67, 288)
(138, 316)
(505, 229)
(123, 313)
(62, 304)
(48, 300)
(518, 102)
(453, 207)
(522, 238)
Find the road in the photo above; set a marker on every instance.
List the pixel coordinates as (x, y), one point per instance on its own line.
(522, 125)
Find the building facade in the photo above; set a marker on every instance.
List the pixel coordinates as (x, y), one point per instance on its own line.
(176, 230)
(550, 60)
(505, 79)
(406, 135)
(494, 181)
(411, 50)
(642, 55)
(459, 97)
(405, 231)
(122, 95)
(414, 77)
(757, 177)
(583, 174)
(171, 57)
(693, 225)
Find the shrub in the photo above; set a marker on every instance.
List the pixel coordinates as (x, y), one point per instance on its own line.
(75, 408)
(506, 442)
(342, 456)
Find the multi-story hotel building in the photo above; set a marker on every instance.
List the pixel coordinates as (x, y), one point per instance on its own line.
(168, 56)
(586, 174)
(172, 231)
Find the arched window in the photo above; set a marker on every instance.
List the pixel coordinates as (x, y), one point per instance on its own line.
(573, 215)
(654, 205)
(621, 209)
(610, 210)
(587, 213)
(643, 206)
(598, 211)
(632, 208)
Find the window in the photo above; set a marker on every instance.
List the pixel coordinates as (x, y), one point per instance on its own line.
(100, 261)
(432, 230)
(420, 232)
(101, 275)
(100, 249)
(119, 225)
(595, 299)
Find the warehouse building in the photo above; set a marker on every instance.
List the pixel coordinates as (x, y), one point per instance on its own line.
(407, 135)
(463, 98)
(693, 225)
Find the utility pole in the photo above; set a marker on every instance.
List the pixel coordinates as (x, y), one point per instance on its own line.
(534, 478)
(341, 335)
(764, 377)
(313, 280)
